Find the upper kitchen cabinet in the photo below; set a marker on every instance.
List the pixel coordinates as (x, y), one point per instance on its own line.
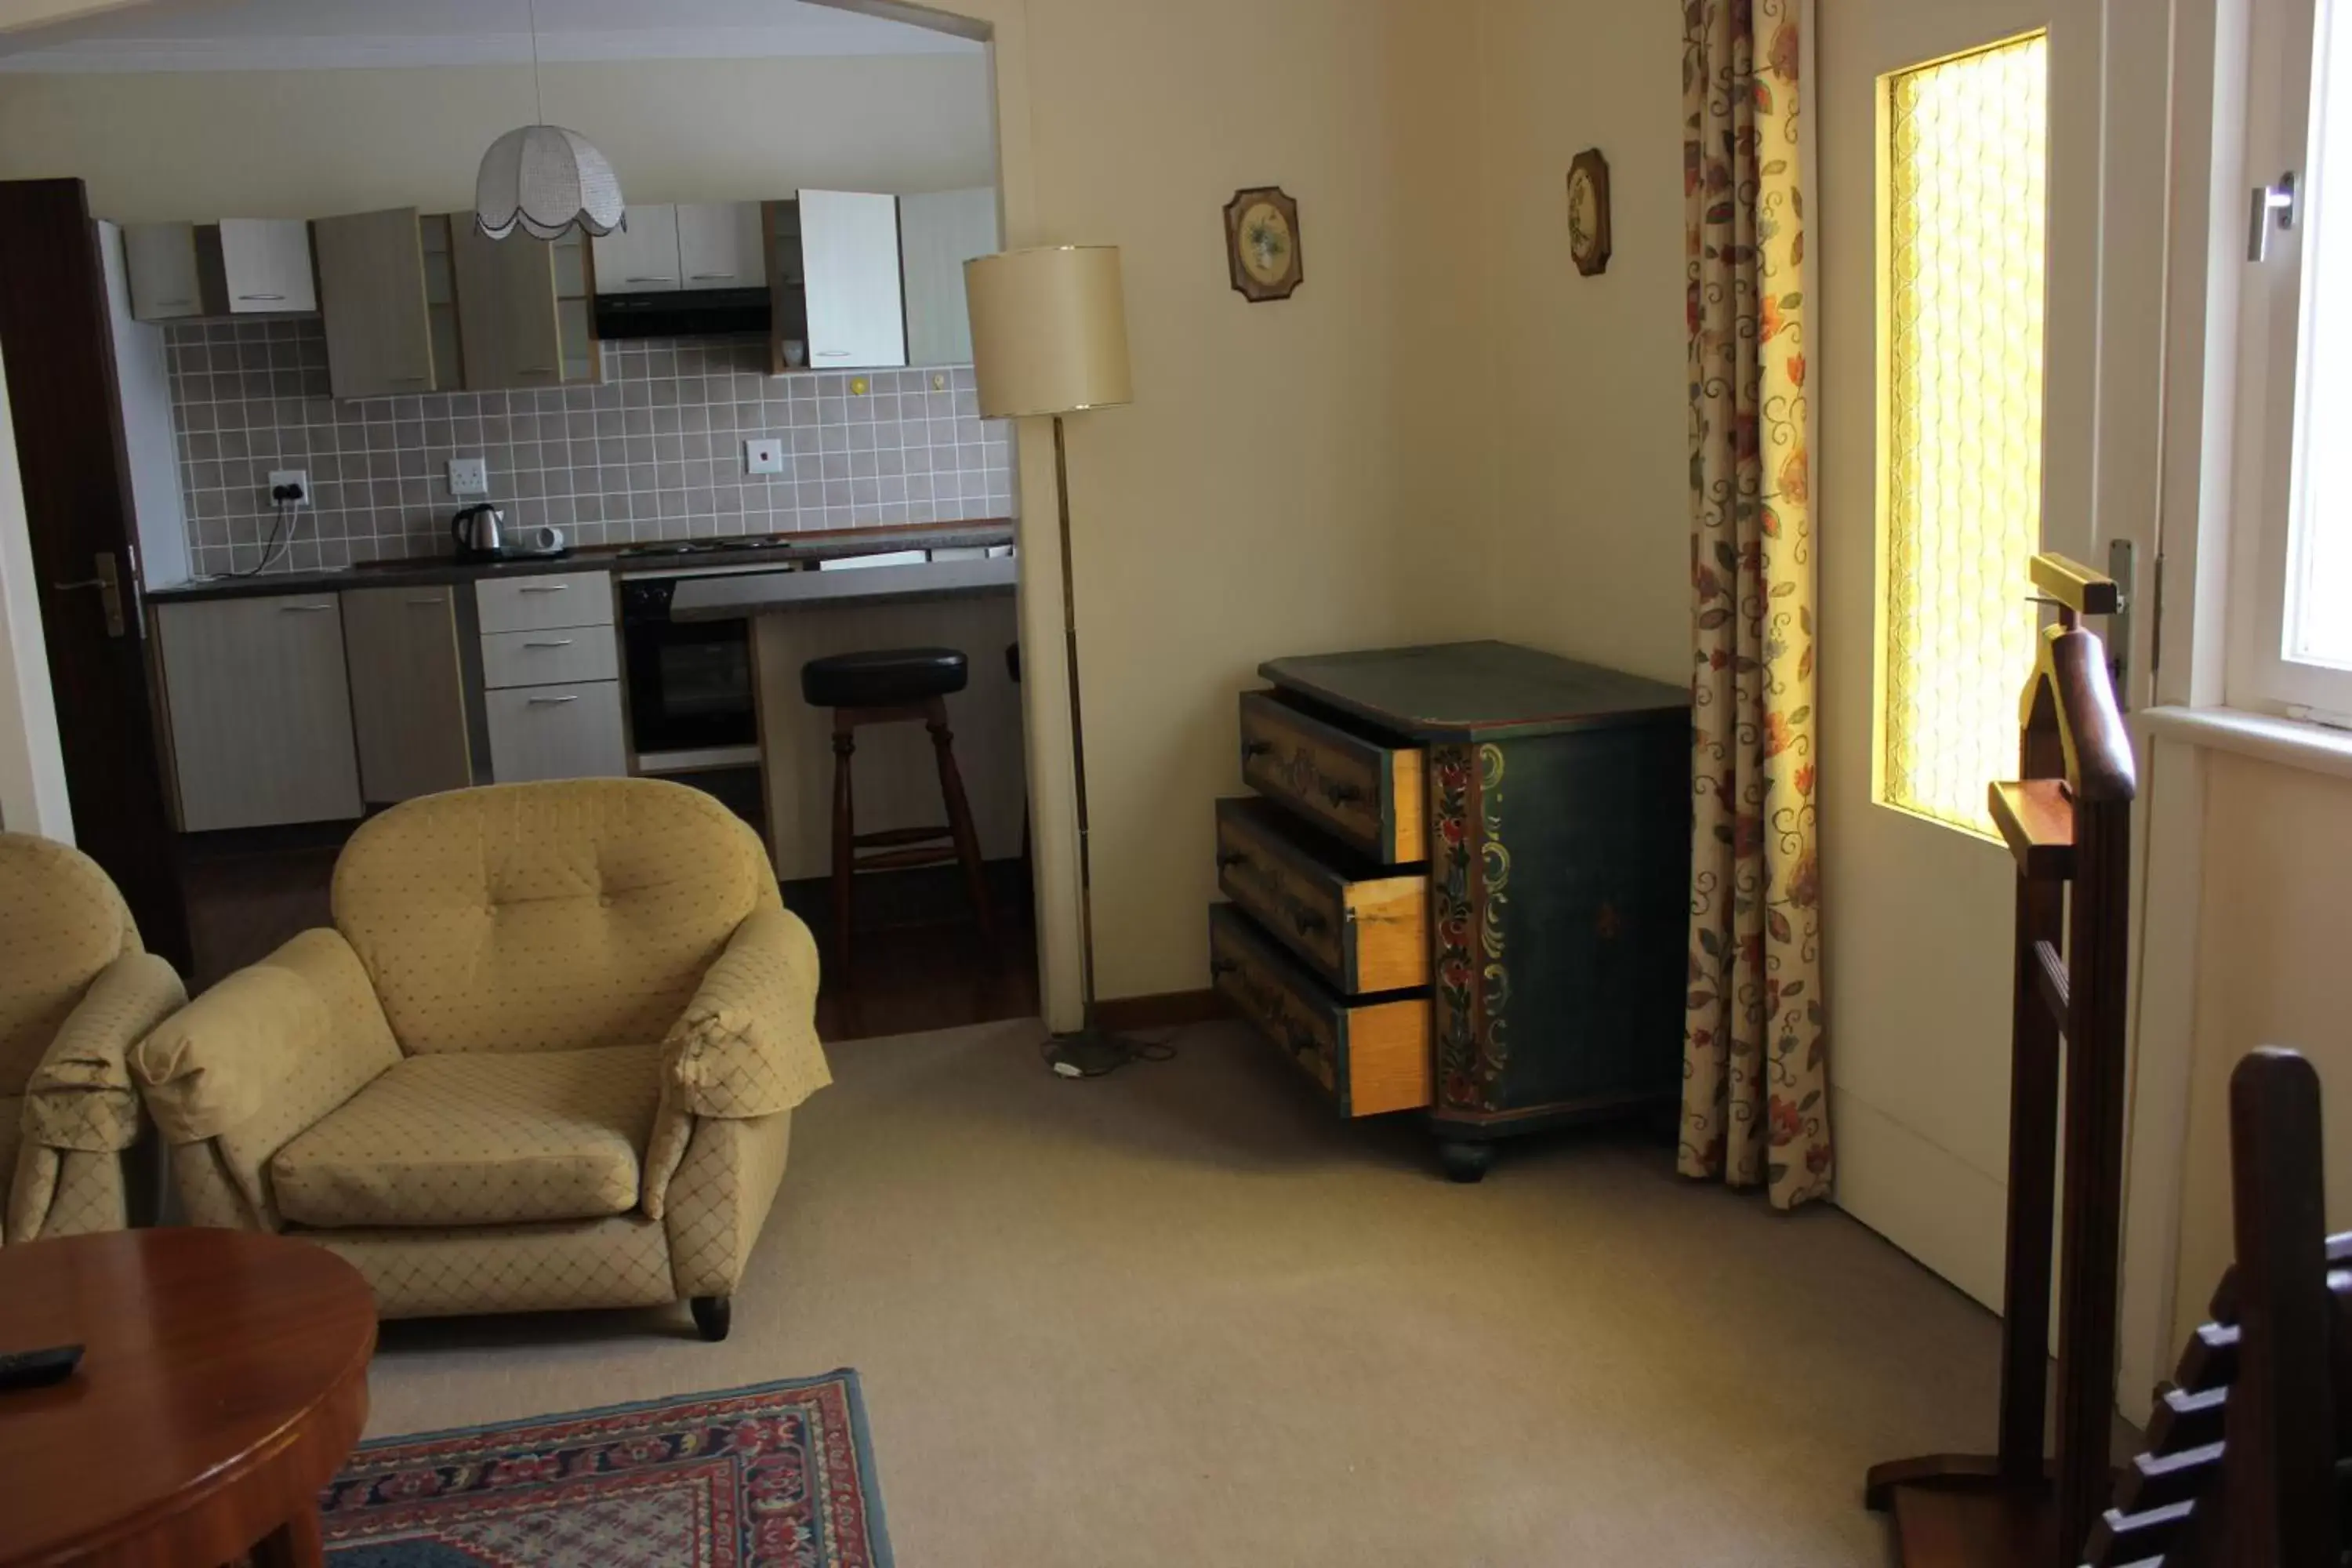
(379, 313)
(237, 267)
(695, 245)
(522, 310)
(939, 232)
(847, 266)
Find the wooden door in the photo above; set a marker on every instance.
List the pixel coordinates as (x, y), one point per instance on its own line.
(508, 328)
(939, 232)
(849, 256)
(1982, 122)
(408, 692)
(67, 410)
(260, 711)
(373, 295)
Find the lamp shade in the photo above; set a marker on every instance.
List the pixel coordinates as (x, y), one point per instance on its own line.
(1048, 330)
(544, 180)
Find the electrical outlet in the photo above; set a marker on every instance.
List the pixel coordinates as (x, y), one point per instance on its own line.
(763, 457)
(469, 476)
(297, 477)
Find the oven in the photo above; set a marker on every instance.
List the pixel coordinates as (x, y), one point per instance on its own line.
(691, 704)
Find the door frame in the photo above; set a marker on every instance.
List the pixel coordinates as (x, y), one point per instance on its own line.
(33, 796)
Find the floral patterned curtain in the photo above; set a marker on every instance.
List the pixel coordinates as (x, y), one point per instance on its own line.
(1755, 1072)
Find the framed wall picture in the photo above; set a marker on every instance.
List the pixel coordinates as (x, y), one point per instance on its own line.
(1262, 244)
(1589, 242)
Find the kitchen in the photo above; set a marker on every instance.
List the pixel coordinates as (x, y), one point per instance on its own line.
(417, 508)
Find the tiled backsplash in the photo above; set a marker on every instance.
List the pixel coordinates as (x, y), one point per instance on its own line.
(654, 452)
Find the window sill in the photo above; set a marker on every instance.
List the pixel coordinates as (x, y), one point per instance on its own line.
(2290, 743)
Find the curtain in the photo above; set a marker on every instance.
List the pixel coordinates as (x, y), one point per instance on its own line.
(1755, 1069)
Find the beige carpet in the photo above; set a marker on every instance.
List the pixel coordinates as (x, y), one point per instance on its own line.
(1180, 1316)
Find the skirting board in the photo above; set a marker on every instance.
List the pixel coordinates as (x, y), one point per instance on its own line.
(1169, 1010)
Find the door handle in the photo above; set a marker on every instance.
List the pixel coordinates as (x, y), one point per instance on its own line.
(107, 578)
(714, 276)
(565, 642)
(2275, 209)
(258, 297)
(551, 701)
(664, 278)
(832, 353)
(544, 587)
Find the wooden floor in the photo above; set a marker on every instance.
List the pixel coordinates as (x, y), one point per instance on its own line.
(912, 971)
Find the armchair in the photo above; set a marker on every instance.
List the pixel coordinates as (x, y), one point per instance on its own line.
(75, 991)
(546, 1056)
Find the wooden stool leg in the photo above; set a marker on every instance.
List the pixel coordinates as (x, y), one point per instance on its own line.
(844, 835)
(298, 1543)
(967, 838)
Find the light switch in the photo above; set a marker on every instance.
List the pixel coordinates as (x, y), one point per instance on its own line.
(763, 457)
(469, 476)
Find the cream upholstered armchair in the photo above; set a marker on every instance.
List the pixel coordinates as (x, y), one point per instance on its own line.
(76, 993)
(546, 1056)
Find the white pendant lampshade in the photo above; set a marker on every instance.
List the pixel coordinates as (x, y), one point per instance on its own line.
(543, 180)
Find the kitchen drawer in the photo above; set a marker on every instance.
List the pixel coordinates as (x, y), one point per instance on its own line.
(1357, 926)
(1369, 1057)
(543, 658)
(1367, 794)
(548, 602)
(556, 733)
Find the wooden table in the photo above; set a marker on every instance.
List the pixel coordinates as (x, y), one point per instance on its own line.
(224, 1383)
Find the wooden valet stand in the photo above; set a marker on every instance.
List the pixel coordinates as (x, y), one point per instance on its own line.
(2068, 822)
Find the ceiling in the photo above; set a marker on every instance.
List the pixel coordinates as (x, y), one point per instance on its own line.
(295, 34)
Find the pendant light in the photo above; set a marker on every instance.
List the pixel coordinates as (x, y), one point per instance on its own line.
(543, 179)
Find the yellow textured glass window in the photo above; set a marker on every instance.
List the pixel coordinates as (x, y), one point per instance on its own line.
(1962, 443)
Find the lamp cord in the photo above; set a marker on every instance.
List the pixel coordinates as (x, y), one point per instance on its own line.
(538, 99)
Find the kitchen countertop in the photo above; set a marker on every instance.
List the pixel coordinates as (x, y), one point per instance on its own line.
(794, 548)
(732, 597)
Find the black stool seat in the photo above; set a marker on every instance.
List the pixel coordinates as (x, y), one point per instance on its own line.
(886, 677)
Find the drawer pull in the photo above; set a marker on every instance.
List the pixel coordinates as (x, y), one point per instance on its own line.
(1256, 749)
(1309, 922)
(551, 701)
(304, 609)
(1231, 858)
(545, 587)
(559, 642)
(1339, 793)
(261, 296)
(1223, 966)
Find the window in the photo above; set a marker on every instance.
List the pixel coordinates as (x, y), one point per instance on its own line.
(2291, 598)
(1963, 204)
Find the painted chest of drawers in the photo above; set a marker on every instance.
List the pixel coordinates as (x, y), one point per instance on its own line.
(1462, 886)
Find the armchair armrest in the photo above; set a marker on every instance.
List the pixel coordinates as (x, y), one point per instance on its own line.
(80, 1097)
(746, 1045)
(277, 1046)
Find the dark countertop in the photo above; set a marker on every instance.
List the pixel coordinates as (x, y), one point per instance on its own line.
(729, 598)
(433, 571)
(1479, 690)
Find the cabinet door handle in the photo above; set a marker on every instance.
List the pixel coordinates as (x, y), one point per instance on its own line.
(258, 299)
(424, 603)
(304, 609)
(832, 353)
(536, 369)
(551, 701)
(406, 380)
(662, 278)
(545, 587)
(565, 642)
(714, 277)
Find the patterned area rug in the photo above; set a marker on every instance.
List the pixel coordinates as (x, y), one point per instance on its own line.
(779, 1476)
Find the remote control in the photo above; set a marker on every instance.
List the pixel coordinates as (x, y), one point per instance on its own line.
(38, 1369)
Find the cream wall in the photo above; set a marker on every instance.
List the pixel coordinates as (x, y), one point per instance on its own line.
(2270, 971)
(198, 145)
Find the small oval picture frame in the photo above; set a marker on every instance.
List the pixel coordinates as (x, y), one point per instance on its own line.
(1262, 244)
(1589, 239)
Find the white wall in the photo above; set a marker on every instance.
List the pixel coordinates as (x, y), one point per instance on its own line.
(200, 144)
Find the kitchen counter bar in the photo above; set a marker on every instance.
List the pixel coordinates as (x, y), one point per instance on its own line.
(728, 598)
(796, 549)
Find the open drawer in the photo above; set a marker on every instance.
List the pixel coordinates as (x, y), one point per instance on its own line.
(1360, 927)
(1369, 1057)
(1367, 795)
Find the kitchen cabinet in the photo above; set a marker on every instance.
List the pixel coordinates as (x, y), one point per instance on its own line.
(522, 310)
(719, 245)
(260, 711)
(237, 267)
(408, 691)
(939, 232)
(849, 269)
(550, 668)
(372, 292)
(641, 257)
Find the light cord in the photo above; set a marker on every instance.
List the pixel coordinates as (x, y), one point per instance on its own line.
(538, 99)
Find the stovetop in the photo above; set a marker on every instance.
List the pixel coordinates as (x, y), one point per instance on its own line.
(703, 547)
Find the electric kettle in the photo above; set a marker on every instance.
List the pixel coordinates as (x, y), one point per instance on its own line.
(480, 532)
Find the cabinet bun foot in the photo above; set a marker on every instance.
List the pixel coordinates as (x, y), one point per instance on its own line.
(1466, 1162)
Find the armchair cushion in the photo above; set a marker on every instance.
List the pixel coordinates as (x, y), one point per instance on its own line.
(459, 1139)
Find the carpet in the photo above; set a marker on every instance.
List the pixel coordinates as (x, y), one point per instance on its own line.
(775, 1476)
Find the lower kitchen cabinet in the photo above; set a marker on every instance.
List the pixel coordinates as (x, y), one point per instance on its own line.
(260, 711)
(408, 691)
(557, 733)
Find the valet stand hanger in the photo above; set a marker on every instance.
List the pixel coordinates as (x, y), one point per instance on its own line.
(2067, 822)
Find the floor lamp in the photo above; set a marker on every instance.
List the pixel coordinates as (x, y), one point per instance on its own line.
(1049, 337)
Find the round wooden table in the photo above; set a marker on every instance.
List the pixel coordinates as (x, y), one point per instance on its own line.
(224, 1384)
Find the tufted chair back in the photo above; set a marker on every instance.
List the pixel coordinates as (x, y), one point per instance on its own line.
(546, 917)
(61, 921)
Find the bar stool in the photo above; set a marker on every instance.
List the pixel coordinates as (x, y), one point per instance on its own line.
(892, 686)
